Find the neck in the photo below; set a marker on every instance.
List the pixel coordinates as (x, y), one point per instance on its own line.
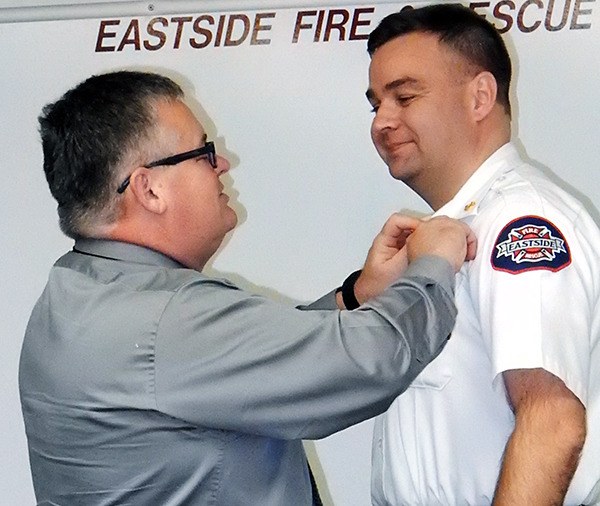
(151, 235)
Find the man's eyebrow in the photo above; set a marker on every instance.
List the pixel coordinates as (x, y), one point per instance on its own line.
(397, 83)
(400, 82)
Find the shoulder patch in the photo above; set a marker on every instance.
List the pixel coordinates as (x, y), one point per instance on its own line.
(530, 243)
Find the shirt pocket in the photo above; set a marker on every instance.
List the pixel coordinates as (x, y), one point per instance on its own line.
(439, 373)
(433, 377)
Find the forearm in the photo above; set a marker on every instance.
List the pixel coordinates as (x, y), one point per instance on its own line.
(542, 453)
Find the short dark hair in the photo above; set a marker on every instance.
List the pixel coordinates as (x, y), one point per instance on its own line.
(461, 29)
(88, 132)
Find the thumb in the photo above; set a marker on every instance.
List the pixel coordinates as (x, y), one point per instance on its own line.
(398, 227)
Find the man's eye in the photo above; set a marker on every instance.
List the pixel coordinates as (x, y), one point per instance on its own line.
(374, 107)
(404, 99)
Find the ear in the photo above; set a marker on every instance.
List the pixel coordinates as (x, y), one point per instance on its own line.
(147, 190)
(483, 90)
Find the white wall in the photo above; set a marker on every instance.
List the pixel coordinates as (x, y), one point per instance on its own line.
(293, 119)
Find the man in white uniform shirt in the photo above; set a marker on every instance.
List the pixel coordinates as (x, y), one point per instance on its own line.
(509, 411)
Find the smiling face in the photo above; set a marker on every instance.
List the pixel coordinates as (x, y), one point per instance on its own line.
(420, 93)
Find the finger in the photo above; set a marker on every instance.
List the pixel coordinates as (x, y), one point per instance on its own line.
(471, 245)
(471, 240)
(400, 225)
(396, 230)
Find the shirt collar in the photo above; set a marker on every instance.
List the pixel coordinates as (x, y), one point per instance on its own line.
(466, 202)
(124, 251)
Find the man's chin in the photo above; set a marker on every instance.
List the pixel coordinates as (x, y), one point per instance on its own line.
(398, 171)
(233, 219)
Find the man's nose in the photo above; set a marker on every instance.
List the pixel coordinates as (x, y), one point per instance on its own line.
(386, 117)
(223, 165)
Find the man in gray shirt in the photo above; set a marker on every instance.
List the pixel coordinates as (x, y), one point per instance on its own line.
(144, 381)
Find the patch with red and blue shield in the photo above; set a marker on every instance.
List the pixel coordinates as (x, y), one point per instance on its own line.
(530, 243)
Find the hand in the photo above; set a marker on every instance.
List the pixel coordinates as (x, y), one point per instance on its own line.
(445, 237)
(387, 258)
(403, 239)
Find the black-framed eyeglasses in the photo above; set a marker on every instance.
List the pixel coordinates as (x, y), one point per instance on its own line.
(208, 151)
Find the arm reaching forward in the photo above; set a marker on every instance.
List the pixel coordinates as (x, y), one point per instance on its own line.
(402, 240)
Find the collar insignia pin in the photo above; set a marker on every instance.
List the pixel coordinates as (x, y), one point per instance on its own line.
(470, 205)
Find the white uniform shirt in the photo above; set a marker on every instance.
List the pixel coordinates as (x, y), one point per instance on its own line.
(530, 299)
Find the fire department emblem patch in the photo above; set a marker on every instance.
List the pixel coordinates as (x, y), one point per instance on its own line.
(530, 243)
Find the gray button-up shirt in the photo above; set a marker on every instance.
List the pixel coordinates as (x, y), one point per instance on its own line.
(146, 383)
